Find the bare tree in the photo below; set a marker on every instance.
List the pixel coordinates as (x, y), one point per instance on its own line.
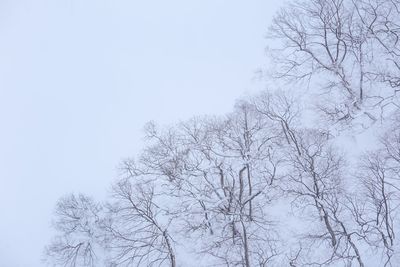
(135, 236)
(375, 215)
(77, 222)
(375, 211)
(314, 181)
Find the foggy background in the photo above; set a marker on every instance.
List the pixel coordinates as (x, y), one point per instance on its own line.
(80, 78)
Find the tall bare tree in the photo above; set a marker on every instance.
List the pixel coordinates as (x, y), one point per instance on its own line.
(135, 234)
(314, 172)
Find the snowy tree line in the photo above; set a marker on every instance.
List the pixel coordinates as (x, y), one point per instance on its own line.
(307, 174)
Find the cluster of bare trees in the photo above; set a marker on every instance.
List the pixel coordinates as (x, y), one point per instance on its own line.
(259, 187)
(250, 189)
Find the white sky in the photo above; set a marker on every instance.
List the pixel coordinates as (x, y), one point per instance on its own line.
(80, 78)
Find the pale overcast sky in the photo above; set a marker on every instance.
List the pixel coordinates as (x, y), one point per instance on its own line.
(80, 78)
